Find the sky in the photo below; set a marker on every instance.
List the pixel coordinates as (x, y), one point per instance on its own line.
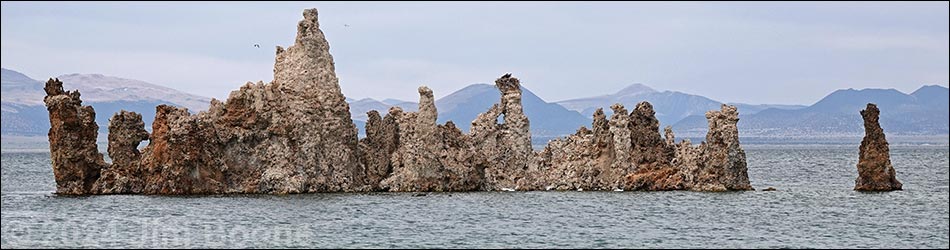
(762, 52)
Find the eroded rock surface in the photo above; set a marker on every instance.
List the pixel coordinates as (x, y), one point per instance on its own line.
(429, 157)
(72, 140)
(503, 149)
(875, 172)
(628, 153)
(183, 156)
(295, 135)
(289, 136)
(126, 132)
(719, 163)
(382, 139)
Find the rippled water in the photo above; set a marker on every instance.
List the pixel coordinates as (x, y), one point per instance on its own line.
(813, 207)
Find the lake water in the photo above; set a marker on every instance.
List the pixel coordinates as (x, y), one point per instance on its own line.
(814, 207)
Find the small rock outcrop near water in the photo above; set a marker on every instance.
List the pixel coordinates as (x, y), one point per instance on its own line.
(875, 172)
(295, 135)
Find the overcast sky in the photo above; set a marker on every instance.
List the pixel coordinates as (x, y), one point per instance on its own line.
(785, 53)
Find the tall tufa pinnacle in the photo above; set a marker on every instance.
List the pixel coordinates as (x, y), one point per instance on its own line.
(875, 172)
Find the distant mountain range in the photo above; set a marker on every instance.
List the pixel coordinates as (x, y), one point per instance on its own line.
(25, 114)
(923, 112)
(670, 106)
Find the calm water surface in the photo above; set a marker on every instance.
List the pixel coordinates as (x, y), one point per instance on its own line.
(813, 207)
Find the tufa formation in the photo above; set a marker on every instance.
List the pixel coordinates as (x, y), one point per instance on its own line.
(295, 135)
(875, 172)
(291, 135)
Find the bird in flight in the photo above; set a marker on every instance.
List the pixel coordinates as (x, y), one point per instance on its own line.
(346, 25)
(257, 45)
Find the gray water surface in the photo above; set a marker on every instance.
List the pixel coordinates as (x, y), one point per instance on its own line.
(813, 207)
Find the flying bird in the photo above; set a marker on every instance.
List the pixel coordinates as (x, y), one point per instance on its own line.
(257, 45)
(346, 25)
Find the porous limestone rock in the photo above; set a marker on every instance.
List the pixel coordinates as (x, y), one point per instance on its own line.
(875, 172)
(619, 130)
(722, 160)
(503, 150)
(429, 157)
(124, 175)
(628, 153)
(289, 136)
(382, 139)
(650, 154)
(584, 160)
(292, 135)
(72, 140)
(126, 132)
(300, 136)
(183, 156)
